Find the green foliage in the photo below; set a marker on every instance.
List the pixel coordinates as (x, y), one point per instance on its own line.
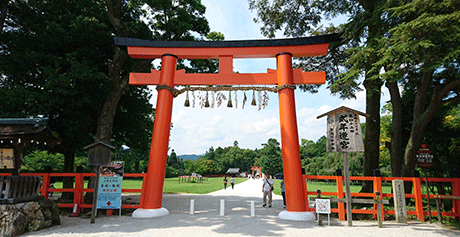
(310, 149)
(446, 149)
(135, 160)
(57, 75)
(171, 172)
(38, 160)
(271, 160)
(206, 167)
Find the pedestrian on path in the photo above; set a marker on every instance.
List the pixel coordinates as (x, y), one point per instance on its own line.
(232, 182)
(225, 183)
(283, 192)
(267, 189)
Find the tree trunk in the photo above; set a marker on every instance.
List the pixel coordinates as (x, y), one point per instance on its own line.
(421, 117)
(371, 139)
(105, 119)
(69, 163)
(396, 155)
(373, 85)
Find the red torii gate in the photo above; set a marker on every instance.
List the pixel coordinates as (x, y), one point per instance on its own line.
(285, 77)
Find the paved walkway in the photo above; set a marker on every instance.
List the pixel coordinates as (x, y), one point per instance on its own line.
(237, 220)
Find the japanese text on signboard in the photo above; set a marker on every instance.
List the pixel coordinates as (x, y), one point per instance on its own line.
(424, 157)
(344, 132)
(109, 195)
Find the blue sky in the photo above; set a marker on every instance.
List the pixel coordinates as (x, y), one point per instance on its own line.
(195, 130)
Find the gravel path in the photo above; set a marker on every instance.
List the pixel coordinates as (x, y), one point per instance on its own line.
(237, 220)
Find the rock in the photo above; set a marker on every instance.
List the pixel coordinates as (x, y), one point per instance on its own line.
(32, 210)
(12, 221)
(50, 207)
(30, 216)
(38, 224)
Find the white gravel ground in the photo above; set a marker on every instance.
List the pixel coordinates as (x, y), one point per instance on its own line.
(207, 222)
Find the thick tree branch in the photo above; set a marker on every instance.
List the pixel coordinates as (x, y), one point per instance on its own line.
(115, 15)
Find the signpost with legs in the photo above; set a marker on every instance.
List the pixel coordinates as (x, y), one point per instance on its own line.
(344, 135)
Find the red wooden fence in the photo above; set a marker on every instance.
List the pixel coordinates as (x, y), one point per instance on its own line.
(417, 195)
(377, 184)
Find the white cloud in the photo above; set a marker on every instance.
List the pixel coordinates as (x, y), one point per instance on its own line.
(195, 130)
(260, 126)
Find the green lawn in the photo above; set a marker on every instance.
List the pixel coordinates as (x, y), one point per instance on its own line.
(172, 185)
(331, 187)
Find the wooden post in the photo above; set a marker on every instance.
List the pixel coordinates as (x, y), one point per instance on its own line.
(438, 207)
(428, 195)
(96, 188)
(347, 188)
(378, 201)
(320, 217)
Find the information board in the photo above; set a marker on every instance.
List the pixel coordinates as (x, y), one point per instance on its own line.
(344, 132)
(109, 193)
(323, 206)
(424, 157)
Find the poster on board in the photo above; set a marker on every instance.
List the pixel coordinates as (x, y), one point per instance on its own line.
(110, 186)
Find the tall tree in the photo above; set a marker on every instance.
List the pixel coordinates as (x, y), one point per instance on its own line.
(423, 51)
(53, 55)
(362, 32)
(168, 20)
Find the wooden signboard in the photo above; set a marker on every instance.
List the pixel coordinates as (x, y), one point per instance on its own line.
(6, 158)
(344, 130)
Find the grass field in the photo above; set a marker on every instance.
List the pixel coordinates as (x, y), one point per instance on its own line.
(331, 187)
(172, 185)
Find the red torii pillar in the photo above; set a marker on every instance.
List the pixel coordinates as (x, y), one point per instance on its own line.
(225, 51)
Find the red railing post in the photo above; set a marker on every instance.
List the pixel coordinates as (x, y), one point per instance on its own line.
(45, 185)
(78, 194)
(418, 199)
(456, 203)
(341, 205)
(378, 188)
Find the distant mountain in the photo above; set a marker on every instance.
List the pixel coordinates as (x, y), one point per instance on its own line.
(189, 157)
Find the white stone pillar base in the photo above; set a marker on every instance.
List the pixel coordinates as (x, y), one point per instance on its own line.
(150, 213)
(297, 216)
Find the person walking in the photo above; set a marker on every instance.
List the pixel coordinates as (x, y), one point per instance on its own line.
(283, 192)
(225, 183)
(267, 189)
(232, 182)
